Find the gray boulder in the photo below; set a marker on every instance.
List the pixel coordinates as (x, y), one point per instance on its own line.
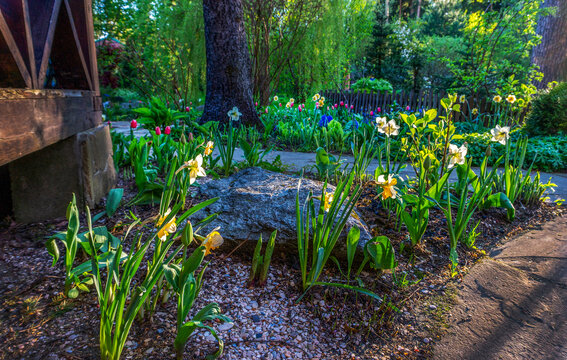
(255, 201)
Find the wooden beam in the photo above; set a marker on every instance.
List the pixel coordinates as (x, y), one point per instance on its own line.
(92, 47)
(15, 51)
(29, 39)
(34, 119)
(78, 45)
(49, 42)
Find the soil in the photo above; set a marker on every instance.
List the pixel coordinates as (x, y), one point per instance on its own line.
(38, 322)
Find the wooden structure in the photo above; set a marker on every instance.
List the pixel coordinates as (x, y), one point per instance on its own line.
(364, 102)
(49, 89)
(45, 45)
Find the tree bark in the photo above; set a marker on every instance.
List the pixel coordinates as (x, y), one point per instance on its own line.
(551, 54)
(387, 8)
(229, 80)
(418, 9)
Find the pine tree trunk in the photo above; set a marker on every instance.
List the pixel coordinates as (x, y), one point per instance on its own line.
(418, 9)
(551, 54)
(229, 81)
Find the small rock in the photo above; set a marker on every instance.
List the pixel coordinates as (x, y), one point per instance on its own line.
(433, 307)
(255, 318)
(226, 326)
(426, 340)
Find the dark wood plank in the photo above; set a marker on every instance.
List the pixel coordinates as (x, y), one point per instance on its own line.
(78, 44)
(42, 16)
(43, 118)
(13, 13)
(43, 41)
(29, 41)
(10, 44)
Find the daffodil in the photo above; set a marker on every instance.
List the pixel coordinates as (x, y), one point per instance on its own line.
(168, 228)
(462, 99)
(511, 98)
(209, 148)
(500, 134)
(381, 122)
(321, 103)
(388, 186)
(521, 102)
(195, 167)
(390, 128)
(287, 105)
(327, 200)
(475, 111)
(212, 241)
(457, 155)
(276, 98)
(292, 100)
(316, 97)
(323, 98)
(497, 98)
(234, 114)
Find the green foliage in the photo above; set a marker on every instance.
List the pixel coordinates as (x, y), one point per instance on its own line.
(380, 253)
(156, 114)
(261, 263)
(372, 85)
(326, 164)
(548, 115)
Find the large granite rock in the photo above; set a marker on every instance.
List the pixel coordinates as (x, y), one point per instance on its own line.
(255, 201)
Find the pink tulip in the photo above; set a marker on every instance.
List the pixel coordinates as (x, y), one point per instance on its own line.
(335, 105)
(187, 108)
(342, 103)
(266, 110)
(291, 104)
(167, 130)
(371, 113)
(133, 124)
(352, 107)
(190, 102)
(300, 109)
(158, 130)
(346, 106)
(256, 103)
(280, 104)
(379, 110)
(407, 108)
(327, 108)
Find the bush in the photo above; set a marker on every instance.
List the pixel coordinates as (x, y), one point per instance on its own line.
(549, 112)
(372, 85)
(550, 152)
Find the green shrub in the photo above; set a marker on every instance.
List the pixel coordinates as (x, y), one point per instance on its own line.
(549, 112)
(372, 85)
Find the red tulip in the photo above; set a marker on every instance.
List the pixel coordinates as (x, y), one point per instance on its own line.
(187, 108)
(335, 105)
(371, 113)
(379, 110)
(300, 109)
(280, 104)
(352, 107)
(407, 108)
(167, 130)
(133, 124)
(190, 102)
(158, 130)
(342, 103)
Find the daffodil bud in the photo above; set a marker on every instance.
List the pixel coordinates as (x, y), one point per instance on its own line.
(187, 236)
(427, 162)
(488, 151)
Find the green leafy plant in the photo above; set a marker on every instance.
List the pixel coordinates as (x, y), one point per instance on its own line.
(548, 115)
(326, 164)
(261, 263)
(227, 150)
(156, 114)
(318, 230)
(252, 150)
(380, 253)
(187, 285)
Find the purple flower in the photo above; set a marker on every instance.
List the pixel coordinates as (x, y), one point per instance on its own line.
(325, 120)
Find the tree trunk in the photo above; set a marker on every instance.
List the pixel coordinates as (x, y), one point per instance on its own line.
(418, 9)
(387, 7)
(551, 54)
(229, 82)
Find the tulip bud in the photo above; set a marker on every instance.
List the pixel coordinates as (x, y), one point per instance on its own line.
(266, 111)
(352, 107)
(190, 136)
(133, 124)
(256, 103)
(371, 113)
(182, 139)
(335, 105)
(342, 103)
(158, 130)
(187, 109)
(167, 130)
(407, 108)
(300, 109)
(187, 236)
(379, 110)
(488, 151)
(280, 104)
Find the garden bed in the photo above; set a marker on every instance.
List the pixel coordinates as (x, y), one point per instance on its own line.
(269, 322)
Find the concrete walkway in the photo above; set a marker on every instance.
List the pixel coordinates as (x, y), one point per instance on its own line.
(298, 160)
(513, 305)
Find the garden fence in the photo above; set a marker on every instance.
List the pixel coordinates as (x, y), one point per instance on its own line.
(364, 102)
